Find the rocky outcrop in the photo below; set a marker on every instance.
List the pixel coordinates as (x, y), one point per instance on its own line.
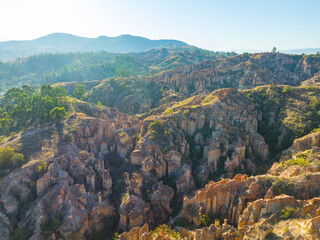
(160, 202)
(221, 198)
(185, 183)
(264, 208)
(4, 226)
(153, 151)
(315, 80)
(214, 231)
(135, 209)
(222, 126)
(242, 71)
(302, 144)
(219, 127)
(137, 233)
(265, 216)
(101, 136)
(67, 192)
(73, 193)
(205, 135)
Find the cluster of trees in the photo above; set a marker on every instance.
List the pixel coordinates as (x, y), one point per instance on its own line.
(9, 159)
(22, 107)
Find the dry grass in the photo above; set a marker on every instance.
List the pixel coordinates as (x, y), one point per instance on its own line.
(294, 227)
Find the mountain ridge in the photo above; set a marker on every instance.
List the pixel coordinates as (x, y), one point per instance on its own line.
(63, 43)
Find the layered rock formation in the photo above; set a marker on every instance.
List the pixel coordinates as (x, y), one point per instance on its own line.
(261, 206)
(242, 71)
(145, 201)
(122, 172)
(100, 136)
(221, 199)
(220, 127)
(66, 193)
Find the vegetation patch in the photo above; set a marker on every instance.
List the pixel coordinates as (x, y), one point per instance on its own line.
(50, 225)
(21, 233)
(9, 160)
(289, 212)
(282, 186)
(300, 161)
(165, 231)
(159, 134)
(23, 107)
(287, 113)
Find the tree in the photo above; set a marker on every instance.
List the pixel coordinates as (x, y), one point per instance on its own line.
(40, 108)
(6, 154)
(28, 90)
(58, 113)
(79, 91)
(274, 50)
(47, 90)
(60, 92)
(10, 159)
(17, 159)
(5, 122)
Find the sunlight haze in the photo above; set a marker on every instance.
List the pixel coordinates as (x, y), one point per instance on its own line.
(209, 24)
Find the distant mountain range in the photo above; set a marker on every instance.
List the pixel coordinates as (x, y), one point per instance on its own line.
(287, 51)
(63, 43)
(301, 51)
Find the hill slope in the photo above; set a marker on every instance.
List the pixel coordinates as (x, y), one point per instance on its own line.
(63, 43)
(67, 67)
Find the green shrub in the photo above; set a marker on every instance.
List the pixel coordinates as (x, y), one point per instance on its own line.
(183, 222)
(266, 182)
(116, 236)
(21, 233)
(289, 212)
(282, 186)
(165, 231)
(147, 195)
(9, 159)
(17, 159)
(42, 167)
(205, 220)
(6, 154)
(300, 161)
(169, 111)
(159, 134)
(58, 113)
(186, 111)
(50, 225)
(287, 89)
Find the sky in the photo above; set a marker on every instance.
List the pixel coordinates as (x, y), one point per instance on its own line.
(219, 25)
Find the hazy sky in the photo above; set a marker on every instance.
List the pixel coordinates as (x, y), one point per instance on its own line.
(210, 24)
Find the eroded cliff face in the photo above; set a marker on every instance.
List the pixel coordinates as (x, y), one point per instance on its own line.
(122, 172)
(242, 71)
(218, 129)
(142, 94)
(67, 194)
(81, 185)
(282, 203)
(145, 206)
